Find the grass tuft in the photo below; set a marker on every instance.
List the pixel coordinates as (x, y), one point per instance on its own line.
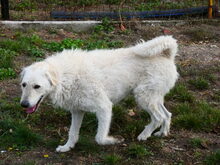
(7, 73)
(213, 159)
(199, 83)
(112, 159)
(200, 34)
(87, 145)
(6, 58)
(180, 93)
(199, 117)
(138, 151)
(17, 135)
(197, 142)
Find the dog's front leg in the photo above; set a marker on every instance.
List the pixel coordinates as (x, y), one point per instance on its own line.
(104, 120)
(73, 132)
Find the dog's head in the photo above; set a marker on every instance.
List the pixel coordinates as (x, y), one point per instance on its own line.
(37, 81)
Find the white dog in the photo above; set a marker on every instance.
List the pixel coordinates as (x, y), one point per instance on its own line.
(92, 81)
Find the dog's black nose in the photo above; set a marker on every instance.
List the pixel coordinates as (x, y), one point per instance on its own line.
(25, 104)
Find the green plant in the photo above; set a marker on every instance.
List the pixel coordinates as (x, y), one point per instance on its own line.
(200, 34)
(16, 134)
(105, 26)
(6, 58)
(24, 5)
(7, 73)
(199, 83)
(180, 93)
(196, 142)
(86, 2)
(213, 159)
(138, 151)
(86, 145)
(67, 43)
(34, 51)
(199, 116)
(112, 159)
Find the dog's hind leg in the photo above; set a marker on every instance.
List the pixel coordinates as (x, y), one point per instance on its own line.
(150, 101)
(104, 115)
(165, 128)
(77, 118)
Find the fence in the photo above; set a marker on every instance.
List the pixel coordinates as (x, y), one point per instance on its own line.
(98, 9)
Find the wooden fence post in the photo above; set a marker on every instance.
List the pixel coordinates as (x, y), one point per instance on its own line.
(210, 9)
(5, 9)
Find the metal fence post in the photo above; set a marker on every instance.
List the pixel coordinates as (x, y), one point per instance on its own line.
(5, 9)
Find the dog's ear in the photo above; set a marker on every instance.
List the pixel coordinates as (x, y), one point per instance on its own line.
(22, 73)
(52, 76)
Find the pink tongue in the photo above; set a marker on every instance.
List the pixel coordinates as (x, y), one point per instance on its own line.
(31, 110)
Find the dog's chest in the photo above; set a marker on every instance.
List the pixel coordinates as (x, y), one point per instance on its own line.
(77, 94)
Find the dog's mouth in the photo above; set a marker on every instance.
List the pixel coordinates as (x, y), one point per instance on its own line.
(34, 108)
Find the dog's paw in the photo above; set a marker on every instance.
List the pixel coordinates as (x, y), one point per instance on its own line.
(160, 133)
(143, 136)
(109, 140)
(64, 148)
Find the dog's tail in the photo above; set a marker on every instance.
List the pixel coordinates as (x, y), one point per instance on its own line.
(159, 46)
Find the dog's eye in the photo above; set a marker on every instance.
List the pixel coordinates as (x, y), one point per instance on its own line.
(24, 85)
(36, 86)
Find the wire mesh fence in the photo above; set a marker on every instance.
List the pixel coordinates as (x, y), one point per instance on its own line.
(98, 9)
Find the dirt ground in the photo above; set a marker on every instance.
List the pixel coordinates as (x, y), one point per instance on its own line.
(195, 53)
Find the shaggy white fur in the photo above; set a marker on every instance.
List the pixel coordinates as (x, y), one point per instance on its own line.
(92, 81)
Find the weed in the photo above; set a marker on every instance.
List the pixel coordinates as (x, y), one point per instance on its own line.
(180, 93)
(82, 44)
(138, 151)
(7, 73)
(216, 96)
(24, 5)
(129, 102)
(86, 2)
(199, 83)
(86, 145)
(105, 26)
(9, 108)
(200, 34)
(157, 4)
(197, 142)
(29, 162)
(199, 116)
(34, 51)
(112, 159)
(24, 45)
(6, 58)
(90, 124)
(213, 159)
(16, 135)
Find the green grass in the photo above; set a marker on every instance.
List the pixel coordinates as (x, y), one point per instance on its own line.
(158, 5)
(199, 83)
(6, 64)
(197, 142)
(105, 26)
(213, 159)
(90, 44)
(138, 5)
(6, 58)
(112, 159)
(22, 44)
(199, 116)
(7, 73)
(180, 93)
(86, 144)
(17, 135)
(200, 34)
(138, 151)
